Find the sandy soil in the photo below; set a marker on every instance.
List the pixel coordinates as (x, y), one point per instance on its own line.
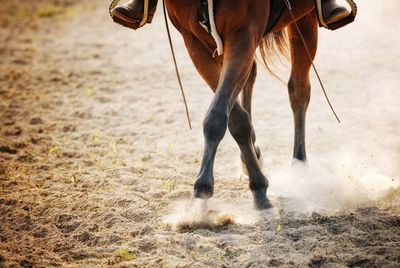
(97, 163)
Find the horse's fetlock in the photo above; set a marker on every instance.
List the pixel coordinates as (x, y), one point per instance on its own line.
(259, 184)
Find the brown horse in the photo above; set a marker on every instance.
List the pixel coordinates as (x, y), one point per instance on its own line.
(241, 25)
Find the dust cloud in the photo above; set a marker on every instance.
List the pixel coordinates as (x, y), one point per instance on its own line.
(211, 214)
(343, 183)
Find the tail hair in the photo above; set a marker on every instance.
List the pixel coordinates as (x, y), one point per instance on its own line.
(272, 46)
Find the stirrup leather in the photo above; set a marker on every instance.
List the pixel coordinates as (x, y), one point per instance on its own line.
(208, 24)
(114, 3)
(341, 23)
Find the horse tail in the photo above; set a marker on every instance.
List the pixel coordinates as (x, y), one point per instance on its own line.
(271, 47)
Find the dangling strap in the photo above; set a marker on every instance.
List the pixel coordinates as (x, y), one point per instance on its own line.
(214, 32)
(341, 23)
(320, 14)
(145, 13)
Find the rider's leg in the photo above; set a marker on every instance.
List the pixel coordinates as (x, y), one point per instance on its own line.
(333, 12)
(132, 12)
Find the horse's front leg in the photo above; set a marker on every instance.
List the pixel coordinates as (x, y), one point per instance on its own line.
(237, 63)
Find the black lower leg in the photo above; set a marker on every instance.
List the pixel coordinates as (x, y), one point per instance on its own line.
(299, 148)
(246, 101)
(299, 93)
(214, 127)
(241, 129)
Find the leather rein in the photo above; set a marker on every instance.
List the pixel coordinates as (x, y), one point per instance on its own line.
(114, 3)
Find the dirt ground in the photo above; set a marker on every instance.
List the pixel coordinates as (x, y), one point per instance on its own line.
(97, 163)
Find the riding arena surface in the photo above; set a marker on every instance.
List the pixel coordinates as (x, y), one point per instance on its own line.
(97, 164)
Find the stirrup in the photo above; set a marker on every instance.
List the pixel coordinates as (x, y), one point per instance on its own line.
(336, 25)
(132, 25)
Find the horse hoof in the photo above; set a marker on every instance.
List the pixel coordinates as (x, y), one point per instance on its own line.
(203, 190)
(261, 201)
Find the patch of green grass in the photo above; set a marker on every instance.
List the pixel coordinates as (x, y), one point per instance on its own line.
(170, 148)
(73, 179)
(48, 11)
(114, 148)
(95, 138)
(122, 255)
(52, 150)
(22, 13)
(90, 91)
(170, 185)
(70, 13)
(279, 228)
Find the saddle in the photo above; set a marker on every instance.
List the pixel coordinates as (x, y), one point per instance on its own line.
(276, 10)
(276, 6)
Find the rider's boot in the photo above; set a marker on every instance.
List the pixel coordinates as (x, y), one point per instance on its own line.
(333, 12)
(131, 13)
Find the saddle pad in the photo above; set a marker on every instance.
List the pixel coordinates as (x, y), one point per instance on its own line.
(276, 9)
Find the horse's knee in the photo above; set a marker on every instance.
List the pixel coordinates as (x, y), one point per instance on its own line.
(215, 125)
(240, 126)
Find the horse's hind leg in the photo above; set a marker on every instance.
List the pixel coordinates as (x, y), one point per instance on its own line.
(246, 100)
(242, 131)
(299, 83)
